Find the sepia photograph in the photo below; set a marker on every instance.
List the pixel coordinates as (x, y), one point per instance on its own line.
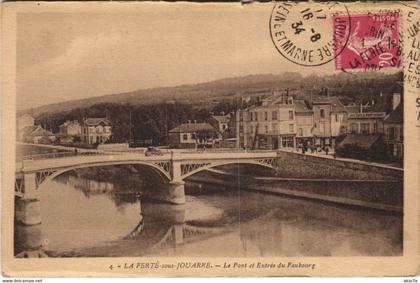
(181, 133)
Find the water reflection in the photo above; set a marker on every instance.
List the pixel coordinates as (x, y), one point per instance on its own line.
(83, 217)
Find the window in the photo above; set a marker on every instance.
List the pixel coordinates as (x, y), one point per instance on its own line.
(291, 128)
(287, 142)
(223, 127)
(274, 127)
(256, 116)
(184, 137)
(266, 129)
(300, 132)
(250, 116)
(336, 117)
(274, 115)
(321, 128)
(322, 114)
(265, 116)
(364, 128)
(290, 114)
(391, 133)
(375, 128)
(353, 128)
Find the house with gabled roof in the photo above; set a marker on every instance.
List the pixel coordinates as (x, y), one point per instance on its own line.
(70, 128)
(37, 134)
(220, 122)
(96, 130)
(193, 135)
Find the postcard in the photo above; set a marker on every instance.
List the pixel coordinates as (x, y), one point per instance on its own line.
(146, 139)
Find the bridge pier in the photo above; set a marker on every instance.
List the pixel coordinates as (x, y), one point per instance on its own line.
(28, 220)
(30, 191)
(176, 194)
(176, 185)
(28, 207)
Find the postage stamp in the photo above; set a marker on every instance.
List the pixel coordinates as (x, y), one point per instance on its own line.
(373, 43)
(298, 32)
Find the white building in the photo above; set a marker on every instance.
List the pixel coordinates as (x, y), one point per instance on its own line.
(96, 130)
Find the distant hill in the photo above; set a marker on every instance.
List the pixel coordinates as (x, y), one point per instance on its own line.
(204, 95)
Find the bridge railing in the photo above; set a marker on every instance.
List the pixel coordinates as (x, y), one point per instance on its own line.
(227, 150)
(215, 150)
(54, 155)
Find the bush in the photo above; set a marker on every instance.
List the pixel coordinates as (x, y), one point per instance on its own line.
(377, 152)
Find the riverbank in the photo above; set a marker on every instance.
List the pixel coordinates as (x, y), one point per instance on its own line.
(372, 194)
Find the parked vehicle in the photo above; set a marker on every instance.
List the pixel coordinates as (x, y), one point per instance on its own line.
(153, 151)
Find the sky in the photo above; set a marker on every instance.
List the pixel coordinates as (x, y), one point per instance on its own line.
(66, 56)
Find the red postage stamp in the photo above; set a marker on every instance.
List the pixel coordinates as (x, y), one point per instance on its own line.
(373, 43)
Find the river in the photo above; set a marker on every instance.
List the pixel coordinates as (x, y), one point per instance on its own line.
(82, 217)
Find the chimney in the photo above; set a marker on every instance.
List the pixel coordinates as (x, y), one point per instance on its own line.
(396, 100)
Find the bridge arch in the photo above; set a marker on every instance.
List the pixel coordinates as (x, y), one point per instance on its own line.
(161, 170)
(191, 169)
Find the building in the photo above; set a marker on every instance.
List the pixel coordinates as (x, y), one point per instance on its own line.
(394, 132)
(304, 124)
(269, 125)
(70, 128)
(95, 130)
(366, 123)
(330, 117)
(220, 122)
(37, 134)
(193, 135)
(24, 121)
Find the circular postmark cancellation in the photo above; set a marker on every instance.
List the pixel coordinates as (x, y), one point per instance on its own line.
(310, 35)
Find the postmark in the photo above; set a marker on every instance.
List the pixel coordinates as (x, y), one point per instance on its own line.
(310, 35)
(374, 42)
(412, 50)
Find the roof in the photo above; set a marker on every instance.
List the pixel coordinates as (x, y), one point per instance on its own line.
(302, 107)
(36, 131)
(192, 127)
(221, 119)
(367, 115)
(96, 121)
(68, 123)
(29, 129)
(364, 141)
(26, 115)
(396, 116)
(352, 108)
